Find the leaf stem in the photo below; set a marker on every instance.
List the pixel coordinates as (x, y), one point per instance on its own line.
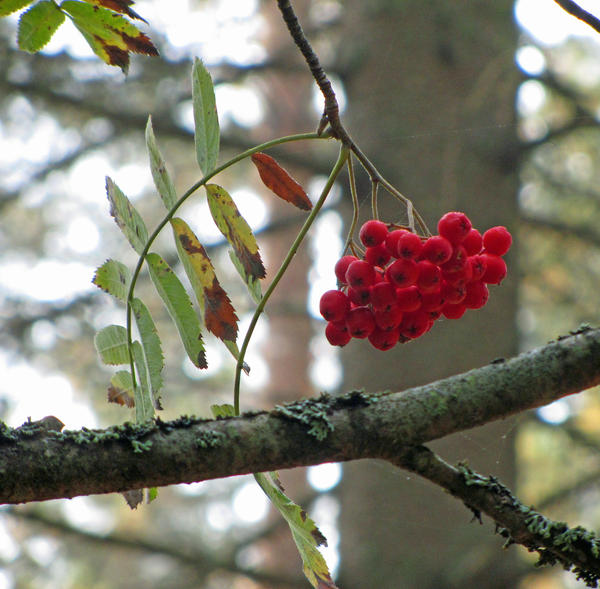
(341, 160)
(355, 205)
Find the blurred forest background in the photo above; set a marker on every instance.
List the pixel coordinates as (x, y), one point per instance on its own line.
(490, 108)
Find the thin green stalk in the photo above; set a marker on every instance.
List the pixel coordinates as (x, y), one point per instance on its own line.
(374, 186)
(355, 205)
(173, 209)
(342, 158)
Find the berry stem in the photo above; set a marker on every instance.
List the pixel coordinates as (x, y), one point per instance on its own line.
(339, 164)
(374, 187)
(355, 205)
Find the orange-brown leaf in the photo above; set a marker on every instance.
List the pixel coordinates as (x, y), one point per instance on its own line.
(121, 6)
(120, 397)
(278, 180)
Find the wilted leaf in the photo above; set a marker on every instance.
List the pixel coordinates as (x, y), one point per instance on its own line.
(178, 303)
(9, 6)
(219, 315)
(114, 278)
(152, 348)
(160, 174)
(304, 531)
(38, 24)
(121, 6)
(144, 407)
(224, 410)
(121, 389)
(253, 284)
(127, 218)
(206, 121)
(134, 497)
(111, 345)
(110, 35)
(276, 179)
(235, 229)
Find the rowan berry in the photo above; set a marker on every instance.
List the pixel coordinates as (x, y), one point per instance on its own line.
(437, 250)
(454, 226)
(373, 233)
(334, 305)
(360, 322)
(337, 333)
(431, 302)
(477, 295)
(453, 293)
(359, 296)
(457, 262)
(497, 240)
(377, 255)
(341, 266)
(430, 277)
(453, 311)
(408, 299)
(409, 245)
(383, 295)
(495, 271)
(360, 274)
(473, 242)
(478, 267)
(392, 239)
(384, 339)
(403, 272)
(414, 324)
(388, 318)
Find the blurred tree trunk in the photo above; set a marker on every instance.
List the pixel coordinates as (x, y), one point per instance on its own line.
(431, 90)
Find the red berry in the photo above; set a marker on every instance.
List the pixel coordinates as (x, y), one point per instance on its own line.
(457, 262)
(384, 339)
(341, 266)
(373, 233)
(414, 325)
(337, 333)
(377, 255)
(388, 318)
(392, 239)
(383, 295)
(473, 242)
(453, 311)
(454, 227)
(360, 322)
(403, 272)
(409, 245)
(359, 296)
(430, 277)
(360, 274)
(408, 299)
(437, 250)
(477, 295)
(431, 302)
(334, 305)
(497, 240)
(495, 271)
(478, 267)
(453, 293)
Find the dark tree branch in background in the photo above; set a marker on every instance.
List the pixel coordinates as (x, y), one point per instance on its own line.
(575, 10)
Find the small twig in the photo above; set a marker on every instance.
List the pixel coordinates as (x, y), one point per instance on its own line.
(575, 10)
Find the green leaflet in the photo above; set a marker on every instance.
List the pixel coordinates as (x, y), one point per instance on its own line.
(160, 174)
(304, 531)
(178, 303)
(9, 6)
(122, 389)
(111, 345)
(206, 121)
(38, 24)
(235, 230)
(114, 278)
(127, 218)
(110, 35)
(225, 410)
(253, 284)
(151, 347)
(144, 408)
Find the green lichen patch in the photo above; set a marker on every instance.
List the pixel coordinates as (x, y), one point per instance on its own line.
(209, 439)
(312, 413)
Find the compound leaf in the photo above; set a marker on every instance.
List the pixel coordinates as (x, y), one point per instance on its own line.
(127, 218)
(160, 174)
(178, 303)
(110, 35)
(111, 345)
(278, 180)
(38, 24)
(9, 6)
(304, 531)
(114, 278)
(235, 230)
(206, 121)
(218, 312)
(152, 348)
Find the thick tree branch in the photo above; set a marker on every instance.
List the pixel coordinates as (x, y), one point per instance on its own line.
(39, 465)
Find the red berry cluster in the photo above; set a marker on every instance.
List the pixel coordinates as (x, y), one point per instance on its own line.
(405, 282)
